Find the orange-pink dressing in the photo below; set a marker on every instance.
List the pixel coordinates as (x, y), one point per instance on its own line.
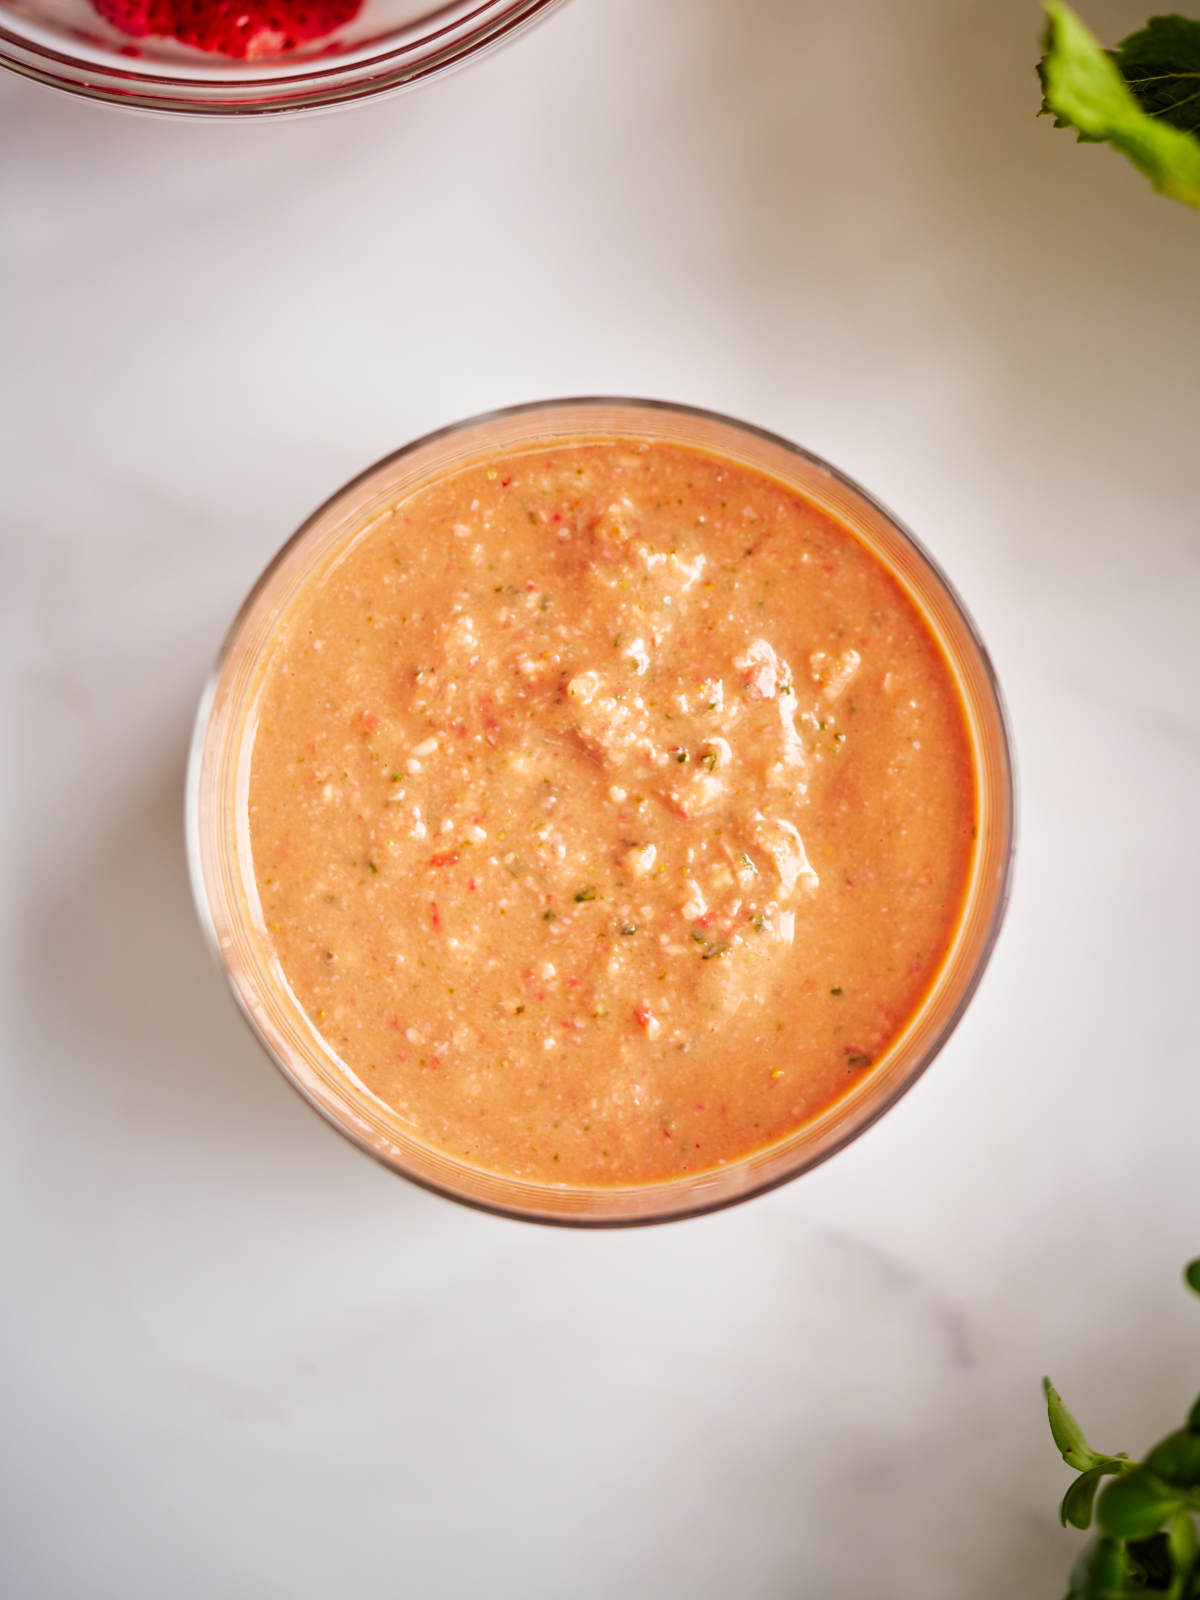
(611, 809)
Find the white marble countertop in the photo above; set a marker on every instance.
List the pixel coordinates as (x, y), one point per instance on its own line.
(239, 1360)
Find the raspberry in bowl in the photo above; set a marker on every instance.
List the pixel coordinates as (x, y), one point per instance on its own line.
(244, 30)
(249, 57)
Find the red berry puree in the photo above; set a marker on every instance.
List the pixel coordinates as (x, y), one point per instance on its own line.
(247, 29)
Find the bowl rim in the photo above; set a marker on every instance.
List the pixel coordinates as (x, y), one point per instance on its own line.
(1005, 822)
(326, 86)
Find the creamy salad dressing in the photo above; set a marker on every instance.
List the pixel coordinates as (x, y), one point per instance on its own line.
(611, 811)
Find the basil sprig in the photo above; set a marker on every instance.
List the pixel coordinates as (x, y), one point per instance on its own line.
(1146, 1541)
(1143, 98)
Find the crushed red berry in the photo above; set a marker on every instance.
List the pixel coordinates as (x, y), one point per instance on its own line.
(244, 29)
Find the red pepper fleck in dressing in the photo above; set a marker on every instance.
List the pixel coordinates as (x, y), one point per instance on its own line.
(611, 810)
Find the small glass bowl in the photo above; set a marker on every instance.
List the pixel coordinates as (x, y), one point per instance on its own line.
(218, 832)
(391, 44)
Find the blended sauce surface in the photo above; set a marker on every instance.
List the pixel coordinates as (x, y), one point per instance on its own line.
(611, 809)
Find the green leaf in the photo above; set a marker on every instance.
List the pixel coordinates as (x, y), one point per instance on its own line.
(1176, 1459)
(1181, 1539)
(1068, 1435)
(1136, 1505)
(1103, 1572)
(1161, 65)
(1191, 1275)
(1076, 1508)
(1193, 1420)
(1084, 90)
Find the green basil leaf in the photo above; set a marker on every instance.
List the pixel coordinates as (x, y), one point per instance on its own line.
(1103, 1572)
(1181, 1537)
(1084, 90)
(1076, 1508)
(1176, 1459)
(1161, 64)
(1191, 1275)
(1068, 1435)
(1136, 1505)
(1193, 1420)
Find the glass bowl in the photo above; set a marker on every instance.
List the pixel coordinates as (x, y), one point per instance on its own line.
(391, 44)
(218, 831)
